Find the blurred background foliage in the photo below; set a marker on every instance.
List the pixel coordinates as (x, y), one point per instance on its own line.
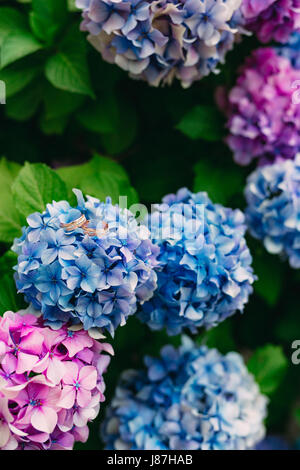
(65, 109)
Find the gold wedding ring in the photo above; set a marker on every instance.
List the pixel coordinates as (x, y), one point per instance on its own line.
(78, 223)
(83, 223)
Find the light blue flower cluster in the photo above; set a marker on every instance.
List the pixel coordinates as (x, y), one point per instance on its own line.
(188, 399)
(92, 274)
(205, 265)
(273, 212)
(159, 40)
(291, 50)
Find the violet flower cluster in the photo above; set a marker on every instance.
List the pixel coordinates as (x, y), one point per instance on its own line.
(191, 398)
(273, 212)
(205, 270)
(51, 383)
(158, 41)
(93, 276)
(271, 19)
(263, 118)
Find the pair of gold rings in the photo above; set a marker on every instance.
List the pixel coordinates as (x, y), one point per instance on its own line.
(83, 223)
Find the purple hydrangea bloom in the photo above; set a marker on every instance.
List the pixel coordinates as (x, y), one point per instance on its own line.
(205, 271)
(263, 117)
(272, 19)
(191, 398)
(94, 277)
(157, 41)
(273, 212)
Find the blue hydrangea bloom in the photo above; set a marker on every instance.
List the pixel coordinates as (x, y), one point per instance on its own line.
(158, 41)
(191, 398)
(205, 271)
(94, 278)
(291, 50)
(273, 212)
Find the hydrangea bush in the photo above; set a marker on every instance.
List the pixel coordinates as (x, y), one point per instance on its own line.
(263, 120)
(51, 383)
(191, 398)
(273, 211)
(205, 271)
(160, 41)
(91, 274)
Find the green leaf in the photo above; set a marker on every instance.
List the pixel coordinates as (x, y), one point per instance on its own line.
(297, 416)
(202, 122)
(68, 69)
(270, 274)
(124, 131)
(17, 76)
(36, 186)
(9, 299)
(23, 105)
(220, 337)
(10, 220)
(11, 20)
(54, 126)
(59, 103)
(72, 5)
(101, 177)
(268, 365)
(101, 116)
(8, 261)
(220, 186)
(17, 45)
(48, 18)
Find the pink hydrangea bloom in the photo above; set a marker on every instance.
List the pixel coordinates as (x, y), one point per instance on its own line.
(263, 120)
(51, 383)
(272, 19)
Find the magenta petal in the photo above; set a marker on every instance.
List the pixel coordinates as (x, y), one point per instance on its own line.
(68, 397)
(32, 343)
(26, 362)
(44, 419)
(55, 371)
(83, 397)
(88, 377)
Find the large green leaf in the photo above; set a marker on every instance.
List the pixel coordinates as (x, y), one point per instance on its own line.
(268, 365)
(59, 103)
(270, 272)
(9, 299)
(220, 184)
(11, 20)
(24, 104)
(47, 18)
(102, 115)
(35, 186)
(10, 220)
(68, 69)
(17, 76)
(16, 45)
(101, 177)
(202, 122)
